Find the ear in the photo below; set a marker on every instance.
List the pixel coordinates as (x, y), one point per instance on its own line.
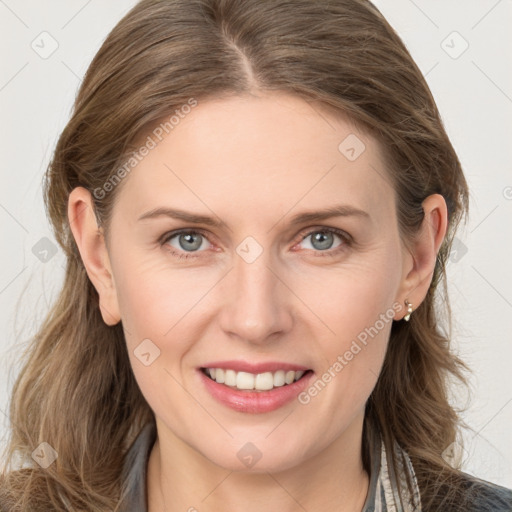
(420, 257)
(90, 240)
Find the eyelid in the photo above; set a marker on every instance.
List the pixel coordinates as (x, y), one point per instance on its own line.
(326, 229)
(183, 231)
(167, 236)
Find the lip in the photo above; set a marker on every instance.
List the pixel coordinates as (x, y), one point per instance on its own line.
(255, 402)
(245, 366)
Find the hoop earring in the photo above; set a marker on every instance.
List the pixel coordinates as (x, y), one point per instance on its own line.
(409, 310)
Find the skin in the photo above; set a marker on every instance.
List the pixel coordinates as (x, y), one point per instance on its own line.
(254, 162)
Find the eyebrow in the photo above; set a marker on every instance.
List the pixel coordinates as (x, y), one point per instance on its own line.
(301, 218)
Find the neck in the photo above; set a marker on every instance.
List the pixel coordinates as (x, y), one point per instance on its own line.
(180, 479)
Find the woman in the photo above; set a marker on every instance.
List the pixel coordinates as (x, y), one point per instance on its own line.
(256, 200)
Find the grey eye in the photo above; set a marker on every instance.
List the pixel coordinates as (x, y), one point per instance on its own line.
(321, 240)
(188, 241)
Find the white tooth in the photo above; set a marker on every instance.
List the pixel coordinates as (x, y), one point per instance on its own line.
(219, 375)
(279, 378)
(230, 378)
(264, 381)
(290, 376)
(247, 381)
(244, 380)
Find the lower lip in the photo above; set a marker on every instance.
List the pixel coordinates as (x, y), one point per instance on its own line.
(255, 401)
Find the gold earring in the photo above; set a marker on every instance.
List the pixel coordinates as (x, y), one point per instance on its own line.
(409, 310)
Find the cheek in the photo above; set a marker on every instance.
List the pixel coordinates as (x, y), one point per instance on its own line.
(351, 297)
(145, 304)
(355, 305)
(164, 312)
(153, 298)
(156, 307)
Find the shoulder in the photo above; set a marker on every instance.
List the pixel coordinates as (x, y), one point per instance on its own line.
(461, 492)
(483, 496)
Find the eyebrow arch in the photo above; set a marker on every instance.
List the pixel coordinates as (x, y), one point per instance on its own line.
(341, 210)
(193, 218)
(308, 216)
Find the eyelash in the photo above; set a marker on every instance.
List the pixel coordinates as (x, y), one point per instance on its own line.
(346, 239)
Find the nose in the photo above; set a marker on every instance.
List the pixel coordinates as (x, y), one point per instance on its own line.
(257, 305)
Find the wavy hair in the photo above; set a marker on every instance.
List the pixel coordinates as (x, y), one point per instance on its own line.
(76, 389)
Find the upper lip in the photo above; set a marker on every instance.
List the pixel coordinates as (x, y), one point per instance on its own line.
(245, 366)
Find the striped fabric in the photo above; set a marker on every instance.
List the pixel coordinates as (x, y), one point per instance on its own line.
(387, 497)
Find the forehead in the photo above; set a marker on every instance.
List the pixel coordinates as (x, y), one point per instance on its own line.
(267, 153)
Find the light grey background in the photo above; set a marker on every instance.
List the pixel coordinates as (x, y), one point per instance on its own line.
(473, 89)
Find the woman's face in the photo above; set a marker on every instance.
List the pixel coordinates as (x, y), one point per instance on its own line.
(256, 286)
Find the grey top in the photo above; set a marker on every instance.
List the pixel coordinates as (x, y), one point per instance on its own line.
(382, 495)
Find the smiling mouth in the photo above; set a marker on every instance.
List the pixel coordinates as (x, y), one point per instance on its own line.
(245, 381)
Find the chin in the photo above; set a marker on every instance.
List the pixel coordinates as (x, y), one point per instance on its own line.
(249, 458)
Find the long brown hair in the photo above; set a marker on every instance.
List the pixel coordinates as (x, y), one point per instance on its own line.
(76, 390)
